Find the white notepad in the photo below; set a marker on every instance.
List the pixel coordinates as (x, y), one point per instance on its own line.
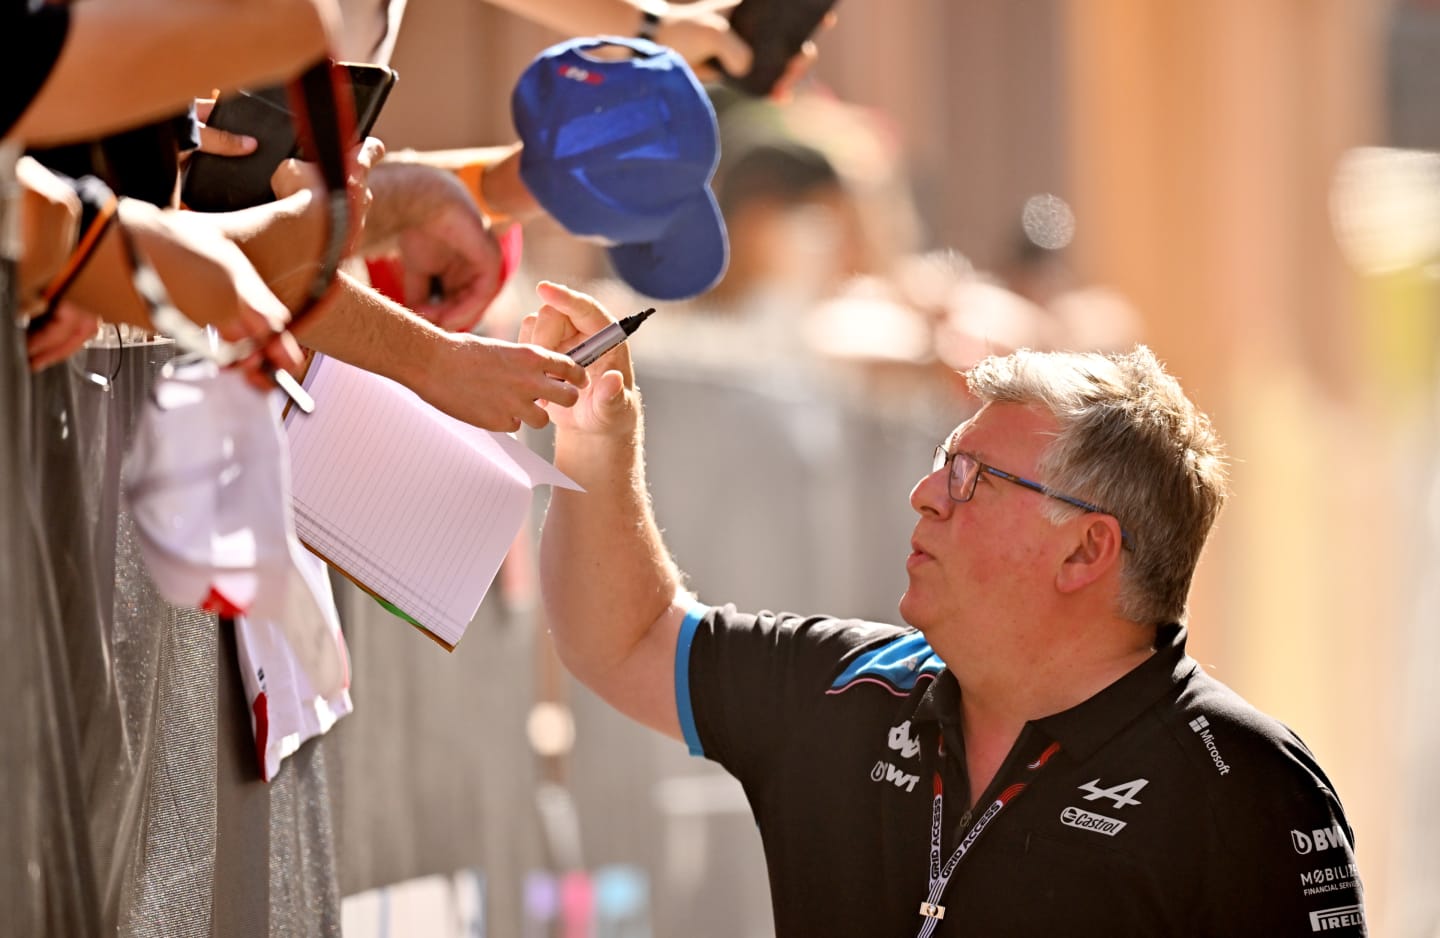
(415, 506)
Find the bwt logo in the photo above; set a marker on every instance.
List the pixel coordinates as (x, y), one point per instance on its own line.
(885, 772)
(1344, 916)
(576, 73)
(1317, 840)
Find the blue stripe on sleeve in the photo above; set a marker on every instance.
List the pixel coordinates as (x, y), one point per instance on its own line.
(682, 678)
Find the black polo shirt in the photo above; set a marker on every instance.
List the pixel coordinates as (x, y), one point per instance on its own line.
(1164, 805)
(30, 44)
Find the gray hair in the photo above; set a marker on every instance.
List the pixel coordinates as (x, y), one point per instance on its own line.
(1132, 442)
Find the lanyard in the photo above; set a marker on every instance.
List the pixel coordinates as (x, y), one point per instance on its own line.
(930, 910)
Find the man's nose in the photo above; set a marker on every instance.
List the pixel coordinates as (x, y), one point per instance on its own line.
(931, 495)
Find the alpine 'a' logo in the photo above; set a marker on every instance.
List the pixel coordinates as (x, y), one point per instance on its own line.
(1122, 794)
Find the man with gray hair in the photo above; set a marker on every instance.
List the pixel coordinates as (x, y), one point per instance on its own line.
(1035, 754)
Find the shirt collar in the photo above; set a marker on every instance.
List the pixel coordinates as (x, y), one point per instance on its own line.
(1085, 727)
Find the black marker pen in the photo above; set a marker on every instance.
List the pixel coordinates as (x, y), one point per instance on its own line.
(603, 341)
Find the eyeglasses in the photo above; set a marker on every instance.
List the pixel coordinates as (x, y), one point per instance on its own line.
(965, 472)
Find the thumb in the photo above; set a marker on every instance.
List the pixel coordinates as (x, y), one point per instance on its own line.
(734, 53)
(608, 399)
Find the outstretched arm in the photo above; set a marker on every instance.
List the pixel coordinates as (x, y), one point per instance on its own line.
(698, 31)
(128, 61)
(486, 382)
(610, 586)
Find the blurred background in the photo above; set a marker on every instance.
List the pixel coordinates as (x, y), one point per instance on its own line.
(1250, 187)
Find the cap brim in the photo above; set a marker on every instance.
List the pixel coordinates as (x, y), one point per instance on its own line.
(686, 260)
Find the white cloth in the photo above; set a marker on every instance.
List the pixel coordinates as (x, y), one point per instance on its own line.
(207, 480)
(285, 707)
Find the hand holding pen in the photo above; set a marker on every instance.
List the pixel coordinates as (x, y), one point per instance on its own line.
(576, 323)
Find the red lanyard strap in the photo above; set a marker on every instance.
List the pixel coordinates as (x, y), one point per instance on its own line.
(931, 911)
(324, 117)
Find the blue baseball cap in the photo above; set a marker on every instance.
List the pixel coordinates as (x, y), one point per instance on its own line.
(622, 151)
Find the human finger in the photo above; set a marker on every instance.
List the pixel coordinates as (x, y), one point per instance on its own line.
(283, 352)
(464, 310)
(527, 329)
(293, 175)
(533, 415)
(553, 329)
(559, 392)
(795, 70)
(60, 338)
(370, 151)
(561, 366)
(583, 311)
(733, 52)
(225, 143)
(252, 369)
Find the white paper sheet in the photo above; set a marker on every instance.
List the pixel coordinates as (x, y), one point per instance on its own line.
(415, 506)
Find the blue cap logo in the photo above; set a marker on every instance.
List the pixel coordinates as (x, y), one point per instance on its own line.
(623, 151)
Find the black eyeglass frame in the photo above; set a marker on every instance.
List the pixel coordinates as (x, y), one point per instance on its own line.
(957, 482)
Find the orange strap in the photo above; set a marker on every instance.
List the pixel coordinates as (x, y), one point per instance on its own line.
(473, 176)
(83, 249)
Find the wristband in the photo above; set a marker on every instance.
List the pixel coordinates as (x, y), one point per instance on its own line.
(473, 176)
(649, 24)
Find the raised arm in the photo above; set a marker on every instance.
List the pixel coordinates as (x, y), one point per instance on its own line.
(610, 586)
(128, 61)
(698, 31)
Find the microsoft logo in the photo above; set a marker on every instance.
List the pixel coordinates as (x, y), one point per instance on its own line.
(1199, 723)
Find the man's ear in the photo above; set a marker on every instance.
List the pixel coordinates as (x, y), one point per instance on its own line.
(1096, 553)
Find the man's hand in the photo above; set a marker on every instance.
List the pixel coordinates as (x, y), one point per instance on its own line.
(426, 215)
(610, 404)
(499, 385)
(220, 142)
(210, 280)
(294, 176)
(69, 328)
(700, 32)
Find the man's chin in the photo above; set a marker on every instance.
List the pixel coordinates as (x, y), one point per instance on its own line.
(910, 611)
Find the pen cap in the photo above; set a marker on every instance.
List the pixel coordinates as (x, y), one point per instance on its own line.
(622, 151)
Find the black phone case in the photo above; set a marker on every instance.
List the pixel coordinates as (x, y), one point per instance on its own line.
(775, 30)
(228, 183)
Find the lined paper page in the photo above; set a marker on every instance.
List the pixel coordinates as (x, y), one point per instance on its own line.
(388, 490)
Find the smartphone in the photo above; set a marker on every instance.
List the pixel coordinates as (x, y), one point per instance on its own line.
(216, 183)
(775, 30)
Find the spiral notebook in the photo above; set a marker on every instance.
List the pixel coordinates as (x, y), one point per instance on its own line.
(414, 506)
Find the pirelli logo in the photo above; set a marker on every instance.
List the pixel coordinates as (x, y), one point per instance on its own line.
(1345, 916)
